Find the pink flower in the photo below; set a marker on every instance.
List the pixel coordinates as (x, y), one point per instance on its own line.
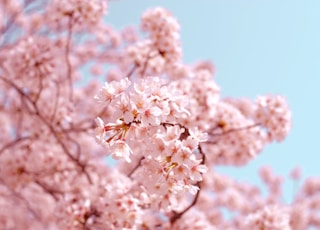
(183, 156)
(111, 90)
(124, 109)
(172, 133)
(120, 150)
(151, 116)
(198, 135)
(106, 93)
(197, 171)
(120, 86)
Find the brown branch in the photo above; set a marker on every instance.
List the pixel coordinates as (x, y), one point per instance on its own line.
(69, 67)
(50, 127)
(19, 197)
(92, 212)
(234, 130)
(178, 215)
(135, 168)
(55, 107)
(13, 143)
(52, 191)
(80, 129)
(37, 96)
(20, 115)
(10, 22)
(132, 70)
(143, 72)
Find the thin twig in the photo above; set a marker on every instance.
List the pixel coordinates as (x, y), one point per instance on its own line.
(13, 143)
(131, 71)
(50, 127)
(69, 67)
(234, 130)
(136, 167)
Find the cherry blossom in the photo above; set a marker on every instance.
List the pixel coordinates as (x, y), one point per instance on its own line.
(271, 218)
(76, 92)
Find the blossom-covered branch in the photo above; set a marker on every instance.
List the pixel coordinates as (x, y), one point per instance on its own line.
(74, 90)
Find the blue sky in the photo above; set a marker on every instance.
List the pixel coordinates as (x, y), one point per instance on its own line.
(258, 47)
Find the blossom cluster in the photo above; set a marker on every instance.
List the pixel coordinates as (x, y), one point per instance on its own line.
(162, 48)
(82, 13)
(32, 57)
(273, 113)
(269, 218)
(169, 155)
